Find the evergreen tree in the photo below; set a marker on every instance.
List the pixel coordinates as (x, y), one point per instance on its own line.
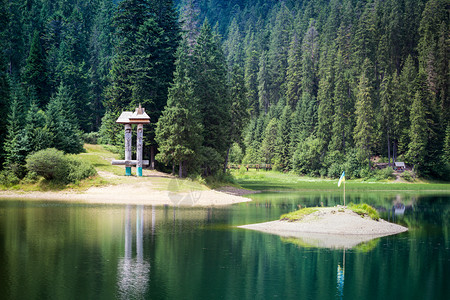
(4, 83)
(407, 90)
(446, 155)
(179, 139)
(310, 60)
(278, 53)
(269, 143)
(35, 75)
(282, 151)
(189, 19)
(325, 110)
(62, 124)
(387, 113)
(179, 132)
(364, 130)
(13, 159)
(142, 69)
(263, 84)
(100, 49)
(294, 72)
(239, 107)
(418, 133)
(250, 75)
(210, 86)
(343, 108)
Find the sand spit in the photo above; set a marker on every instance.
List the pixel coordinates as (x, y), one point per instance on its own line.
(137, 194)
(331, 227)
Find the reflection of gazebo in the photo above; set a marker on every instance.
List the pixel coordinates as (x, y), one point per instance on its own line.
(133, 272)
(128, 118)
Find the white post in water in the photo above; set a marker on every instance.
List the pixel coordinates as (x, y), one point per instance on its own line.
(139, 146)
(128, 137)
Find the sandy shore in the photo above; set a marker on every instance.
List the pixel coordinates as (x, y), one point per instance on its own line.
(139, 191)
(331, 228)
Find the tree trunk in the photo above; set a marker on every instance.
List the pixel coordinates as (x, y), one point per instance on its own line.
(343, 141)
(180, 169)
(394, 152)
(152, 157)
(173, 168)
(389, 149)
(226, 161)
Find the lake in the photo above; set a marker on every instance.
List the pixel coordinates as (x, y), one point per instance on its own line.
(53, 250)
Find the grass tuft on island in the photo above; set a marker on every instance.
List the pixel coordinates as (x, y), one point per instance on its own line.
(298, 214)
(364, 209)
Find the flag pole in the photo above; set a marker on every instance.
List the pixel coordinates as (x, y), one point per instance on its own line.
(344, 193)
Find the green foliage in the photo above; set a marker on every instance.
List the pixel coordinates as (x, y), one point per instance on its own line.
(307, 158)
(78, 169)
(386, 173)
(8, 178)
(53, 165)
(364, 209)
(111, 55)
(299, 214)
(220, 179)
(91, 137)
(407, 176)
(236, 154)
(62, 123)
(48, 163)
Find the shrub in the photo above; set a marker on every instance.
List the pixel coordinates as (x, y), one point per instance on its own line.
(386, 173)
(52, 164)
(48, 163)
(91, 137)
(407, 176)
(335, 170)
(8, 178)
(79, 169)
(31, 177)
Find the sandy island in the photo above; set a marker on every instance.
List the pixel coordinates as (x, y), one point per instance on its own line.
(136, 191)
(330, 227)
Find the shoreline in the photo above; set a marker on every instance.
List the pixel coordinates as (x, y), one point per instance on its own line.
(330, 227)
(137, 193)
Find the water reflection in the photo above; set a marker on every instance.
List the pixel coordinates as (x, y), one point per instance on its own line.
(134, 272)
(341, 277)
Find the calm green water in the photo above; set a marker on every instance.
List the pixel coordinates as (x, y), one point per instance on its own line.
(74, 251)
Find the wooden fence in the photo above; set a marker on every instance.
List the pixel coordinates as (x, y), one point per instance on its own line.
(251, 166)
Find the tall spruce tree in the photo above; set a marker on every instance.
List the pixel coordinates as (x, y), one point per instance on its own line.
(364, 130)
(62, 123)
(35, 74)
(418, 133)
(4, 83)
(147, 37)
(210, 86)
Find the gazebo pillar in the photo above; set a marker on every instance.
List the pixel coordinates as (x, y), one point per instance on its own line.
(139, 117)
(128, 154)
(139, 146)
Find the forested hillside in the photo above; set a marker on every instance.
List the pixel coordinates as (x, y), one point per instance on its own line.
(314, 86)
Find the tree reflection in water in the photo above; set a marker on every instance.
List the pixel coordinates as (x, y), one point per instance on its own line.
(133, 272)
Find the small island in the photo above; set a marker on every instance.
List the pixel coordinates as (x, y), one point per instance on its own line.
(331, 227)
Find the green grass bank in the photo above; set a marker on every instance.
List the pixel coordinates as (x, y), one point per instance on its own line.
(277, 181)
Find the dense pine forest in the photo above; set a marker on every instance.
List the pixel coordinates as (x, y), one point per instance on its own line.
(314, 86)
